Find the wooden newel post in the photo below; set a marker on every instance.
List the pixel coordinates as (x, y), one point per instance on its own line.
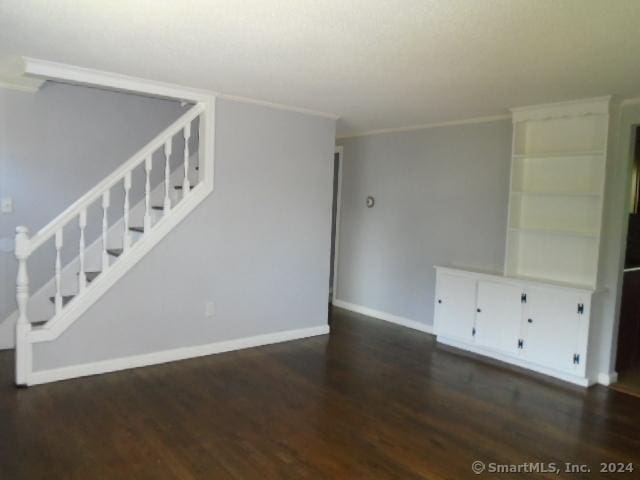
(23, 327)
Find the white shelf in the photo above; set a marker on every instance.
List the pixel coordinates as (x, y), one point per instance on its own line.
(560, 154)
(556, 194)
(582, 133)
(555, 232)
(556, 197)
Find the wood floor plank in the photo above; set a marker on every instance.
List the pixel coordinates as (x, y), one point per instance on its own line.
(372, 400)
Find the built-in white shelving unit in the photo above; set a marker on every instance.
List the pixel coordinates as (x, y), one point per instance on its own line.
(557, 191)
(538, 313)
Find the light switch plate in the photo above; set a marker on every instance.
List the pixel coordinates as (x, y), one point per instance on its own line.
(6, 205)
(6, 245)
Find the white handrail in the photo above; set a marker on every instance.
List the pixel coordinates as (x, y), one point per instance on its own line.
(68, 311)
(96, 192)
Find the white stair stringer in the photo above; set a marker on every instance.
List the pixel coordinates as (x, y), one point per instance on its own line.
(40, 306)
(67, 313)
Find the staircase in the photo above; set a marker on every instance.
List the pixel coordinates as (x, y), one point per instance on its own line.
(79, 283)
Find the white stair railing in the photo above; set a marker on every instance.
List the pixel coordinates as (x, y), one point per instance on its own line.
(68, 308)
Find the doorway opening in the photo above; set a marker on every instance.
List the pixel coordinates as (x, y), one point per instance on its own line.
(628, 354)
(335, 226)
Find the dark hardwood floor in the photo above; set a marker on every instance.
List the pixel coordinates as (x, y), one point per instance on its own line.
(372, 400)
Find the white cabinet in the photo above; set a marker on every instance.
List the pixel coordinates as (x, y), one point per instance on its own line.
(539, 326)
(456, 300)
(498, 318)
(553, 328)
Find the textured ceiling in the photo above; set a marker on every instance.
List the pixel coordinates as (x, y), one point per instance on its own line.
(378, 64)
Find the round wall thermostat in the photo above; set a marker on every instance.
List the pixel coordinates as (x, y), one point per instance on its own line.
(370, 202)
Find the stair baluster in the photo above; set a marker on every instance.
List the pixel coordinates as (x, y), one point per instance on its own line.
(126, 236)
(186, 185)
(202, 125)
(105, 229)
(58, 296)
(147, 194)
(82, 278)
(167, 176)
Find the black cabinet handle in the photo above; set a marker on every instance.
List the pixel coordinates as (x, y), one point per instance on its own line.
(439, 301)
(530, 320)
(479, 310)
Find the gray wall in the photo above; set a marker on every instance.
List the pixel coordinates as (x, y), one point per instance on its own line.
(441, 198)
(54, 146)
(258, 247)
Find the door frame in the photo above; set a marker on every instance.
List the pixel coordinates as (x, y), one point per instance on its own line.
(340, 152)
(627, 145)
(629, 119)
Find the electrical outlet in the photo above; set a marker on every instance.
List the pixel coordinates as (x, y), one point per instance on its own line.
(209, 309)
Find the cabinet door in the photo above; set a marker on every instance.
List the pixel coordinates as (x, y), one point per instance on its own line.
(455, 307)
(499, 317)
(553, 329)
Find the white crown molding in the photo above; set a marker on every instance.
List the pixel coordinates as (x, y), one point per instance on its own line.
(566, 103)
(46, 70)
(279, 106)
(426, 126)
(571, 108)
(27, 85)
(154, 358)
(387, 317)
(12, 76)
(62, 72)
(630, 101)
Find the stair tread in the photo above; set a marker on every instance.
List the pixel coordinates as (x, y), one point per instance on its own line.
(91, 276)
(137, 229)
(65, 299)
(116, 252)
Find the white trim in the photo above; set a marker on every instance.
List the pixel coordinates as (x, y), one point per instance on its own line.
(116, 364)
(630, 101)
(62, 72)
(465, 121)
(426, 126)
(279, 106)
(26, 85)
(387, 317)
(336, 249)
(571, 108)
(576, 380)
(607, 379)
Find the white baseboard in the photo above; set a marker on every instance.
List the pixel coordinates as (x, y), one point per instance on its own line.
(607, 379)
(387, 317)
(113, 365)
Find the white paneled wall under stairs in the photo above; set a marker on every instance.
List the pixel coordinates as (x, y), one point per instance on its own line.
(155, 189)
